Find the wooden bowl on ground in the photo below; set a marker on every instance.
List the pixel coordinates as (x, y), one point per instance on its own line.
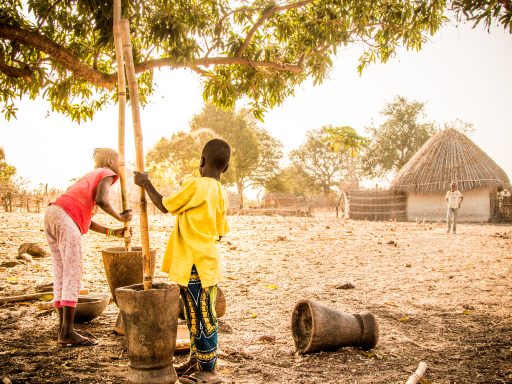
(90, 307)
(182, 339)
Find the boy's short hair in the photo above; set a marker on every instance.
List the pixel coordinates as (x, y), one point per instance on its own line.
(217, 153)
(101, 157)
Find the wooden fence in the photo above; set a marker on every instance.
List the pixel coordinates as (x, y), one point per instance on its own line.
(13, 201)
(502, 207)
(377, 205)
(363, 205)
(25, 202)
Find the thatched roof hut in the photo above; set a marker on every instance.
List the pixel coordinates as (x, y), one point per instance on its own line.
(447, 157)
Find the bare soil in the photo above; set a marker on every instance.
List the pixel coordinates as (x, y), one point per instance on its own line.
(440, 298)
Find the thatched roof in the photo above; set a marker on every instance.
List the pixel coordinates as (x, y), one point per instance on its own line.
(449, 156)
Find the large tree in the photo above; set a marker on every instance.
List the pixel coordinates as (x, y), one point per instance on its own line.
(346, 141)
(63, 51)
(316, 157)
(294, 180)
(256, 154)
(7, 185)
(171, 159)
(393, 143)
(7, 171)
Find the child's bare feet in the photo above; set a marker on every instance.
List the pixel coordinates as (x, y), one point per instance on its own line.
(201, 377)
(68, 337)
(76, 340)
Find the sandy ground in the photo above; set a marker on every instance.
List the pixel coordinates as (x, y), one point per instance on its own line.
(439, 298)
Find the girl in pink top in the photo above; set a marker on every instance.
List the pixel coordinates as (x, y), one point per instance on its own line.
(65, 221)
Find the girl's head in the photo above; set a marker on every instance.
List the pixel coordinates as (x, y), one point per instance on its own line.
(106, 158)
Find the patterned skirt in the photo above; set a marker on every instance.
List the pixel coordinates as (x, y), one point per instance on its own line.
(201, 321)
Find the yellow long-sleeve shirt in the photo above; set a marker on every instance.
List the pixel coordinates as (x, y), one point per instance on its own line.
(200, 206)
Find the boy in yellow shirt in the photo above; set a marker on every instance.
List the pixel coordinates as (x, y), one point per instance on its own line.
(192, 255)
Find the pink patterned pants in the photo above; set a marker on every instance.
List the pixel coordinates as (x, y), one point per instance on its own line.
(64, 240)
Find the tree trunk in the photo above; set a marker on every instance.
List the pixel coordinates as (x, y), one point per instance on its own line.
(240, 190)
(326, 190)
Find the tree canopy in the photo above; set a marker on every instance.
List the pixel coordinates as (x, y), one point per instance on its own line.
(485, 11)
(393, 143)
(346, 141)
(7, 171)
(255, 153)
(316, 157)
(171, 159)
(260, 50)
(295, 180)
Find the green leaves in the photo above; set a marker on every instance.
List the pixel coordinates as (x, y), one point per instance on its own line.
(323, 157)
(7, 171)
(486, 12)
(231, 44)
(255, 153)
(398, 138)
(344, 139)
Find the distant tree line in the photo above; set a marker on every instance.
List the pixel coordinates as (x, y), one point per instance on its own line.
(332, 160)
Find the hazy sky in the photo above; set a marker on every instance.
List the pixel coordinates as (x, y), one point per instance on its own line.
(461, 74)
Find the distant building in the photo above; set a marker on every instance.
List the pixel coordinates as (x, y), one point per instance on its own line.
(447, 157)
(279, 200)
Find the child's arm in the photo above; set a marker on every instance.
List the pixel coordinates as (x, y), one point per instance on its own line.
(142, 180)
(102, 201)
(118, 232)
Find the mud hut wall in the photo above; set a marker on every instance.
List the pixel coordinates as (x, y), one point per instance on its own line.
(476, 206)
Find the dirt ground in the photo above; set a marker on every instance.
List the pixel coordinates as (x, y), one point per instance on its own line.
(439, 298)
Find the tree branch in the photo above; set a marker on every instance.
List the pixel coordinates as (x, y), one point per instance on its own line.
(41, 21)
(69, 61)
(59, 54)
(265, 16)
(14, 71)
(207, 61)
(200, 71)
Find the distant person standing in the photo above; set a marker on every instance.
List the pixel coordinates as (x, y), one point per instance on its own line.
(454, 199)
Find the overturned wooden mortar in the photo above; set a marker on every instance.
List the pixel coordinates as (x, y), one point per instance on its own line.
(316, 327)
